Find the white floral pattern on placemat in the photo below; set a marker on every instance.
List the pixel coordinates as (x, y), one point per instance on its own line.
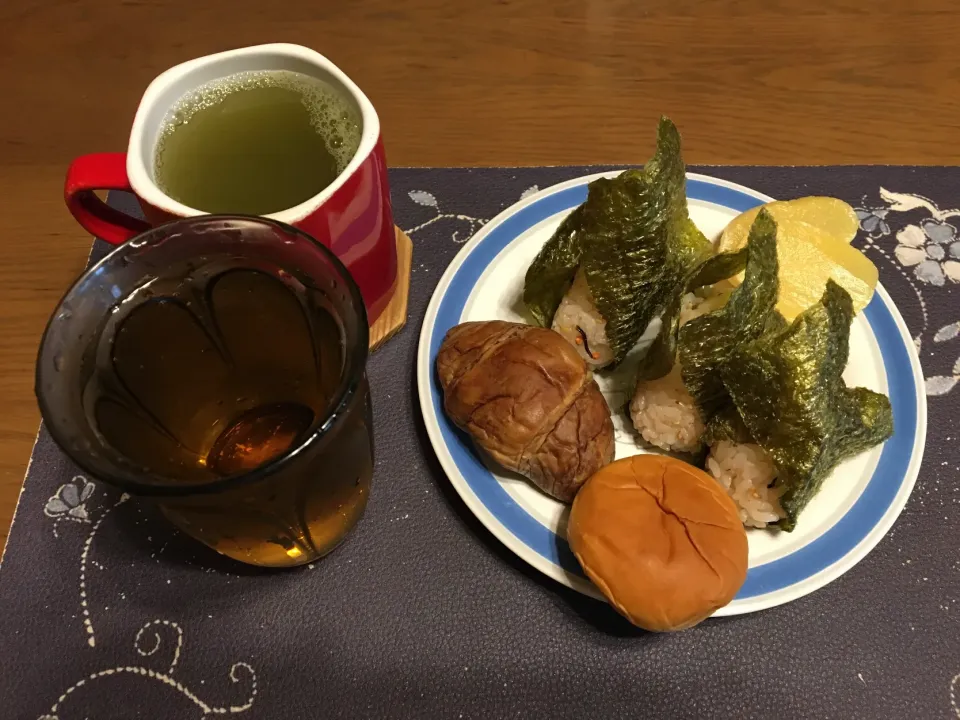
(953, 694)
(926, 252)
(465, 225)
(931, 246)
(240, 672)
(70, 503)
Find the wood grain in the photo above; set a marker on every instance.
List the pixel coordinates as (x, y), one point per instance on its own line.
(394, 316)
(457, 83)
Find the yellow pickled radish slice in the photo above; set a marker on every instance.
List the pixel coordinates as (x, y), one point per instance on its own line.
(831, 215)
(808, 256)
(806, 263)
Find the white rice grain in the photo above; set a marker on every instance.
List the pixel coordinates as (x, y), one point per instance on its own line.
(704, 300)
(662, 410)
(578, 320)
(747, 471)
(665, 415)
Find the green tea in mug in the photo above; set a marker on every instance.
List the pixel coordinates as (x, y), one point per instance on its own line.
(255, 142)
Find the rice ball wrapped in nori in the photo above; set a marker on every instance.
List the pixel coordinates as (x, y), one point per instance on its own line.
(748, 473)
(614, 261)
(788, 393)
(665, 414)
(679, 387)
(662, 410)
(771, 396)
(581, 324)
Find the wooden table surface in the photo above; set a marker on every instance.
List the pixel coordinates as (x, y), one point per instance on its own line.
(465, 83)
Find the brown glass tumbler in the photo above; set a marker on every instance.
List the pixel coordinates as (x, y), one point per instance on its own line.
(216, 365)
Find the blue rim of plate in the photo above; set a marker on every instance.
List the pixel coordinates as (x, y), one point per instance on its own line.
(884, 491)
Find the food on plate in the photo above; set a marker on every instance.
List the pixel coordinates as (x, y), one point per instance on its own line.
(679, 386)
(744, 375)
(814, 237)
(613, 262)
(747, 473)
(666, 415)
(661, 540)
(527, 398)
(791, 401)
(768, 396)
(831, 215)
(579, 322)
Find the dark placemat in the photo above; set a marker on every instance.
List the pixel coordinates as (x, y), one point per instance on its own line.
(105, 612)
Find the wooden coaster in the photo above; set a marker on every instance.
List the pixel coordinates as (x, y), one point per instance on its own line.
(394, 315)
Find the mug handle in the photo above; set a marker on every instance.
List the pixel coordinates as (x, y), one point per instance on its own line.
(101, 171)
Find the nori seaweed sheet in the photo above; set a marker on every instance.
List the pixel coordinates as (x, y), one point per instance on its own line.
(704, 343)
(758, 379)
(635, 241)
(755, 378)
(551, 273)
(663, 351)
(788, 389)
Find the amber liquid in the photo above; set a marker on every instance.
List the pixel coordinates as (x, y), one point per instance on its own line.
(215, 377)
(257, 437)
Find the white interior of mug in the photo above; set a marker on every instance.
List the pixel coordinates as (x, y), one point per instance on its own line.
(164, 92)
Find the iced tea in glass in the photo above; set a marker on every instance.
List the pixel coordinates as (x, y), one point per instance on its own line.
(216, 365)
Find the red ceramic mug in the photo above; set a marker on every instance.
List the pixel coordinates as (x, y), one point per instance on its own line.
(351, 216)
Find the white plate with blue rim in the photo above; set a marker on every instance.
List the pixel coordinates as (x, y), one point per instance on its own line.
(857, 505)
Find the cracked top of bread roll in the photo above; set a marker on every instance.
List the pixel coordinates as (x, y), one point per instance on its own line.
(661, 539)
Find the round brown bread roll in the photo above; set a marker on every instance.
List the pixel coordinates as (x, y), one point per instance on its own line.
(661, 539)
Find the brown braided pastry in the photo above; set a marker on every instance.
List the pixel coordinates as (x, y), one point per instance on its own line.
(527, 398)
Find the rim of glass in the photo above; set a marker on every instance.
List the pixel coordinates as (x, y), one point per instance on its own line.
(346, 390)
